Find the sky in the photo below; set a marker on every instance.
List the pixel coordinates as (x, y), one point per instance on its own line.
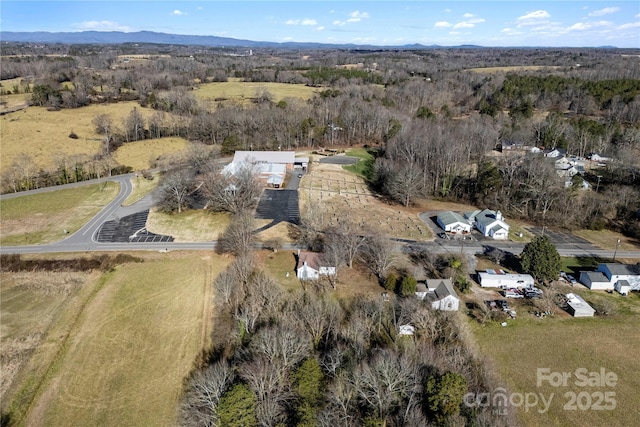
(571, 23)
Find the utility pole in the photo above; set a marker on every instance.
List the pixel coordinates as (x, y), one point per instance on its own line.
(616, 251)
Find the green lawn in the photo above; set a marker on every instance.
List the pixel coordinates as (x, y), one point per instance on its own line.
(364, 167)
(43, 218)
(566, 344)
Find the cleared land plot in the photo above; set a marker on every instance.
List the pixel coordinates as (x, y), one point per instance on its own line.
(141, 155)
(342, 195)
(129, 349)
(608, 239)
(564, 344)
(44, 135)
(243, 92)
(188, 226)
(42, 218)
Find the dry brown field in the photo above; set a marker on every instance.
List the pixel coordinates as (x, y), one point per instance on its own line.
(106, 348)
(342, 195)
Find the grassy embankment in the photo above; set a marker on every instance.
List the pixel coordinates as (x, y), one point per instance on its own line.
(117, 348)
(565, 344)
(42, 218)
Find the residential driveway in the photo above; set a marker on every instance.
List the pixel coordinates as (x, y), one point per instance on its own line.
(340, 160)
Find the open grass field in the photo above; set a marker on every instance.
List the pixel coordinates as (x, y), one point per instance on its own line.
(141, 155)
(117, 347)
(188, 226)
(242, 92)
(44, 135)
(565, 344)
(343, 194)
(42, 218)
(607, 239)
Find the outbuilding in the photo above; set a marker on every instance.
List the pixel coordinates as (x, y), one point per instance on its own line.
(578, 307)
(499, 279)
(595, 280)
(622, 287)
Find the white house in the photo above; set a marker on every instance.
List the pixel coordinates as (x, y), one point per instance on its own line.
(578, 307)
(489, 223)
(311, 267)
(442, 295)
(453, 222)
(554, 152)
(500, 279)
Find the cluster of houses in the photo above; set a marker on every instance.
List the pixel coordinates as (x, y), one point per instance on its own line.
(607, 276)
(438, 292)
(488, 222)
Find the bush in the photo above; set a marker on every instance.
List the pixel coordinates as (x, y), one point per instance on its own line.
(390, 282)
(407, 286)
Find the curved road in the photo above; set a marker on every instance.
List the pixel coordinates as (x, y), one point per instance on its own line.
(83, 240)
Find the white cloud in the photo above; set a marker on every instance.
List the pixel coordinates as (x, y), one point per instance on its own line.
(305, 21)
(448, 10)
(605, 11)
(582, 26)
(101, 26)
(463, 25)
(442, 24)
(476, 21)
(178, 12)
(320, 28)
(339, 23)
(468, 15)
(627, 26)
(538, 14)
(357, 16)
(637, 16)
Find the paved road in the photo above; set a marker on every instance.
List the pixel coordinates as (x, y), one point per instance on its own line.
(84, 239)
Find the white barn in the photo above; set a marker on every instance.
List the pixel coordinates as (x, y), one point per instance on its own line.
(453, 222)
(500, 279)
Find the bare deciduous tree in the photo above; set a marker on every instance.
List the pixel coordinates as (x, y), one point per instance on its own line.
(206, 388)
(232, 193)
(174, 189)
(238, 238)
(377, 254)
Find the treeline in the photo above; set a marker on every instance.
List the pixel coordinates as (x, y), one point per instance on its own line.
(15, 263)
(306, 359)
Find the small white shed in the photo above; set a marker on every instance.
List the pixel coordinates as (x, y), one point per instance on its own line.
(578, 307)
(622, 287)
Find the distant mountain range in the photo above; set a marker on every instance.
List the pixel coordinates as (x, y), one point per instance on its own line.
(117, 37)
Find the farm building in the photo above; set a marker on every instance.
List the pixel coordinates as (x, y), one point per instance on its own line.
(489, 223)
(578, 307)
(500, 279)
(453, 222)
(595, 280)
(442, 295)
(616, 272)
(311, 267)
(271, 166)
(622, 287)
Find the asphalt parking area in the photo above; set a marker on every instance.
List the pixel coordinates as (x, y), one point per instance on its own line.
(130, 228)
(559, 237)
(339, 160)
(279, 205)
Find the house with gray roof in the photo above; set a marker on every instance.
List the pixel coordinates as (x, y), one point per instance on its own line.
(595, 280)
(453, 222)
(442, 295)
(489, 223)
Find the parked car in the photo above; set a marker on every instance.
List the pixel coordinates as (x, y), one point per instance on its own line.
(504, 305)
(299, 175)
(571, 279)
(532, 293)
(512, 293)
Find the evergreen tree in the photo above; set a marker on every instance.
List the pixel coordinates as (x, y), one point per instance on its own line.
(237, 407)
(445, 394)
(541, 259)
